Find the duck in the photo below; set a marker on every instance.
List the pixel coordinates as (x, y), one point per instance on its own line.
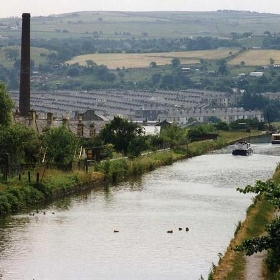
(187, 229)
(116, 231)
(180, 228)
(170, 231)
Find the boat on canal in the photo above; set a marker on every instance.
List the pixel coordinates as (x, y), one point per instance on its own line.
(242, 148)
(275, 138)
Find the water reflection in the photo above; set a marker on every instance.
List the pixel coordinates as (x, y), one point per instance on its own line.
(75, 238)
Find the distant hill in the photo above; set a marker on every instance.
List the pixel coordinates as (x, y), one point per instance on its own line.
(118, 25)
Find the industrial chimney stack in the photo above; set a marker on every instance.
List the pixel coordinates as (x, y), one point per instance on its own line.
(24, 91)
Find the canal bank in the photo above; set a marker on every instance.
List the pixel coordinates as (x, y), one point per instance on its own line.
(235, 264)
(48, 184)
(79, 230)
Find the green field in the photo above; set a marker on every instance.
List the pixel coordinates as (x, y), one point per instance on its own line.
(38, 55)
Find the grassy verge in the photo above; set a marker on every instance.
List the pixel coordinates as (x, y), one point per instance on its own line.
(41, 185)
(232, 264)
(259, 214)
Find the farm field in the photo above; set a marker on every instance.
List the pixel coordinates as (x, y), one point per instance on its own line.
(256, 57)
(113, 61)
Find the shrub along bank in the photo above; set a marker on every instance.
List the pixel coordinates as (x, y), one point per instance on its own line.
(22, 193)
(42, 185)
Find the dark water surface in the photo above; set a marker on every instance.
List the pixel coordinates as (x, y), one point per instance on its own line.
(75, 239)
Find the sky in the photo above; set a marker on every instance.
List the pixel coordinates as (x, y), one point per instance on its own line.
(11, 8)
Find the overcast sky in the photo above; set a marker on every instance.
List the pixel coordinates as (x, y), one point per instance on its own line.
(10, 8)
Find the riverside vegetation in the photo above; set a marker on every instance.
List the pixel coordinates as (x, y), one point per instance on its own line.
(259, 232)
(21, 148)
(42, 185)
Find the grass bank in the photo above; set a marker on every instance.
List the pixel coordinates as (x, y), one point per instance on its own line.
(232, 265)
(40, 185)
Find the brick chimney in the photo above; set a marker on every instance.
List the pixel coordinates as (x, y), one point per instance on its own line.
(24, 91)
(92, 131)
(32, 119)
(49, 118)
(80, 127)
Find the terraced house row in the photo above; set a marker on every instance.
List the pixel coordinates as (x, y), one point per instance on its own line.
(173, 106)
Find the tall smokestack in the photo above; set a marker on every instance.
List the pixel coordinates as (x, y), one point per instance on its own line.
(24, 91)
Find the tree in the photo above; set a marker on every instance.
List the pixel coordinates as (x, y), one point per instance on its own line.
(222, 69)
(214, 119)
(153, 64)
(155, 79)
(5, 107)
(173, 134)
(271, 111)
(200, 130)
(167, 81)
(90, 63)
(175, 62)
(136, 146)
(60, 144)
(120, 133)
(12, 54)
(222, 126)
(19, 142)
(73, 71)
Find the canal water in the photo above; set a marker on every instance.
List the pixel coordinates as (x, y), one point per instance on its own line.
(75, 238)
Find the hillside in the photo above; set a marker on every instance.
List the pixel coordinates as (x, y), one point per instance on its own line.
(125, 50)
(120, 25)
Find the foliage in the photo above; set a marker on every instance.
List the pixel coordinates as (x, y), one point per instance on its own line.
(60, 144)
(270, 189)
(173, 135)
(271, 241)
(15, 199)
(115, 170)
(222, 126)
(223, 69)
(91, 142)
(155, 142)
(136, 146)
(175, 62)
(120, 133)
(251, 101)
(19, 142)
(6, 106)
(200, 130)
(214, 119)
(246, 124)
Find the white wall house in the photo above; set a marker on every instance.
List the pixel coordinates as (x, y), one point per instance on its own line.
(227, 115)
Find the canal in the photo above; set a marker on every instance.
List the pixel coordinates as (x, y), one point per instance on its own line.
(75, 238)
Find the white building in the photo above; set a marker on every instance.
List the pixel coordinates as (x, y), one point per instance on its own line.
(227, 115)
